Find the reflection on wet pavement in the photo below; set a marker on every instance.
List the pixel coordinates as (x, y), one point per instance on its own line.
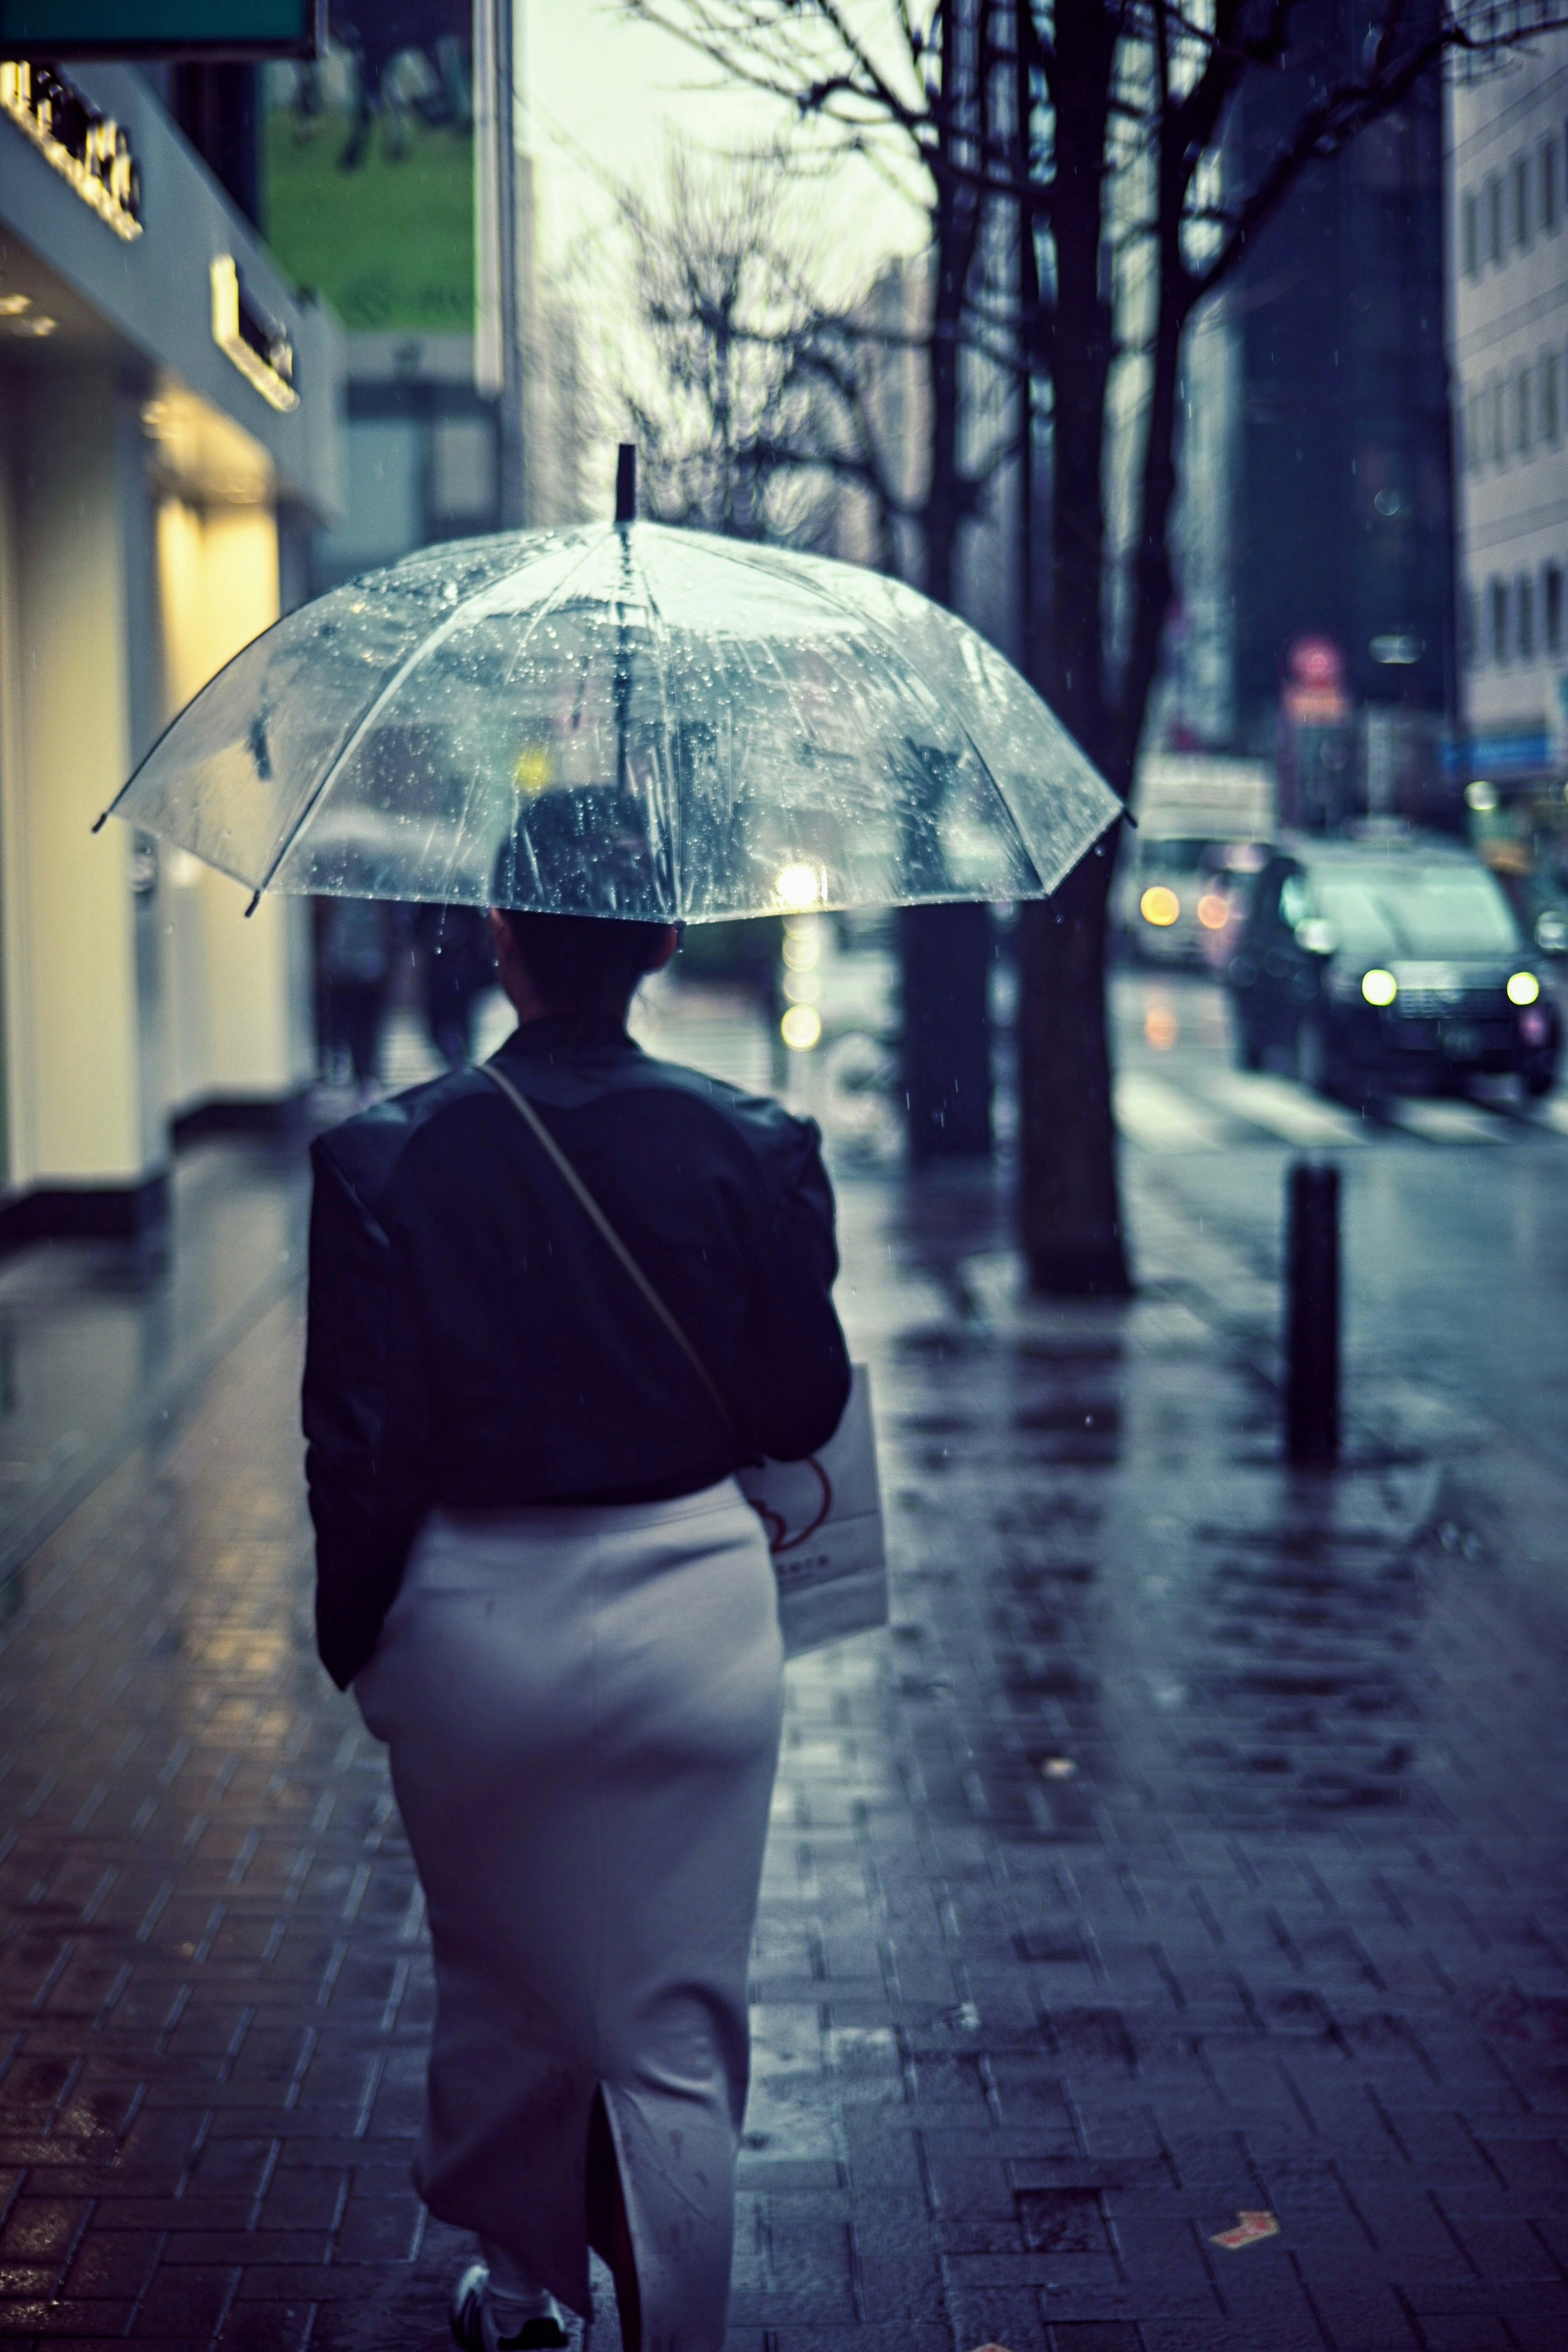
(1190, 1846)
(99, 1340)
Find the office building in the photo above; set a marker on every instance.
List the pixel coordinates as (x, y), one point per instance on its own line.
(1508, 127)
(1341, 504)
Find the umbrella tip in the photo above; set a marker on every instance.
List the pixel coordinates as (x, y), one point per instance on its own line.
(626, 483)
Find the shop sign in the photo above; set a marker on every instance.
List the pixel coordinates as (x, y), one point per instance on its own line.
(162, 28)
(1528, 752)
(86, 147)
(262, 351)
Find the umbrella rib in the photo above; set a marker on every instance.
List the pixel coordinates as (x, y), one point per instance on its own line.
(672, 783)
(409, 663)
(844, 605)
(896, 669)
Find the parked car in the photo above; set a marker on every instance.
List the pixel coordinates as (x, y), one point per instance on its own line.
(1540, 899)
(1390, 966)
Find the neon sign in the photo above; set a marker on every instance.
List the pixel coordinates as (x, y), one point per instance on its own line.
(88, 149)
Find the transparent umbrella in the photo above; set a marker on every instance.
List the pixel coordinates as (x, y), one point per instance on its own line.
(624, 720)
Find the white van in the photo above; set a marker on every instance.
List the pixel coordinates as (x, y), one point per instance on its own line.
(1185, 870)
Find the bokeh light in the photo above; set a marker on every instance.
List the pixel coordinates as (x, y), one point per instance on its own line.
(800, 885)
(801, 1028)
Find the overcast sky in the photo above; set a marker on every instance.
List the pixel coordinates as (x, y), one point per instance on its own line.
(605, 96)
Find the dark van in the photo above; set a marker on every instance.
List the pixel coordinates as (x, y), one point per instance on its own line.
(1389, 966)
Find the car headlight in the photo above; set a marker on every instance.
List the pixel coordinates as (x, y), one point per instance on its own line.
(1159, 905)
(1523, 988)
(1381, 988)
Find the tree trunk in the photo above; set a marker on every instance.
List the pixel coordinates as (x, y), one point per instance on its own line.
(1069, 1203)
(946, 1032)
(1072, 1216)
(946, 952)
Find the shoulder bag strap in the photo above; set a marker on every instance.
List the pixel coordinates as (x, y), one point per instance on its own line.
(586, 1201)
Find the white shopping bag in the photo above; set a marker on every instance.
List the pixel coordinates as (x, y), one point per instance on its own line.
(823, 1518)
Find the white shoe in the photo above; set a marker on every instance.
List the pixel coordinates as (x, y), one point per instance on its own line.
(474, 2322)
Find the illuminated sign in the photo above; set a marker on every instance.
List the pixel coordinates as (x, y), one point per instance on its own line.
(1315, 692)
(262, 352)
(85, 147)
(162, 28)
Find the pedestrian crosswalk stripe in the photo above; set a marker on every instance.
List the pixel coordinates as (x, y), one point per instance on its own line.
(1160, 1117)
(1448, 1122)
(1284, 1108)
(1214, 1109)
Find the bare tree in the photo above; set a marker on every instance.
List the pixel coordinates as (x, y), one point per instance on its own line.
(743, 392)
(1096, 128)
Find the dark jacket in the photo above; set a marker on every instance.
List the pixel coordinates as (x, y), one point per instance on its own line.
(473, 1341)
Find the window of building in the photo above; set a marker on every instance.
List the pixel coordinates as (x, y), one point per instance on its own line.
(1519, 202)
(1470, 235)
(1491, 205)
(1523, 412)
(1496, 597)
(1551, 607)
(1550, 206)
(1548, 398)
(463, 468)
(1497, 434)
(384, 516)
(1524, 616)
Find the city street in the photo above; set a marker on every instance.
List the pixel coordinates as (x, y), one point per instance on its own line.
(789, 541)
(1455, 1226)
(1190, 1848)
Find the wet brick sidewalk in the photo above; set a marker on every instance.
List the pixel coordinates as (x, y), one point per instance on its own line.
(1193, 1846)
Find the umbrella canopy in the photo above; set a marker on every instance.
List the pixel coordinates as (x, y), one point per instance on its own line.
(629, 720)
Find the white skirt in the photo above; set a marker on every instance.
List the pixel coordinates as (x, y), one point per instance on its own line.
(582, 1707)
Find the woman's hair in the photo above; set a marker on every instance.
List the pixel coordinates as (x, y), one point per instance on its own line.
(584, 964)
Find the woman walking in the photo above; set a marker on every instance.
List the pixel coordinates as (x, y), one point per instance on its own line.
(552, 1602)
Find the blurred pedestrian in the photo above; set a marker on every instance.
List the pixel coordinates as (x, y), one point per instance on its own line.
(536, 1571)
(353, 966)
(457, 966)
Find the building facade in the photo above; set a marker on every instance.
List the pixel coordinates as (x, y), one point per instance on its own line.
(168, 444)
(1340, 500)
(1508, 129)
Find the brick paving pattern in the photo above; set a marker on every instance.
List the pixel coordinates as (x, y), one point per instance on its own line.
(1191, 1847)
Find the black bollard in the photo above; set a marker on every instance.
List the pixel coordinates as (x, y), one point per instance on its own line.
(1312, 1311)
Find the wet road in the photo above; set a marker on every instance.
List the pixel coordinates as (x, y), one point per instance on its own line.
(1456, 1212)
